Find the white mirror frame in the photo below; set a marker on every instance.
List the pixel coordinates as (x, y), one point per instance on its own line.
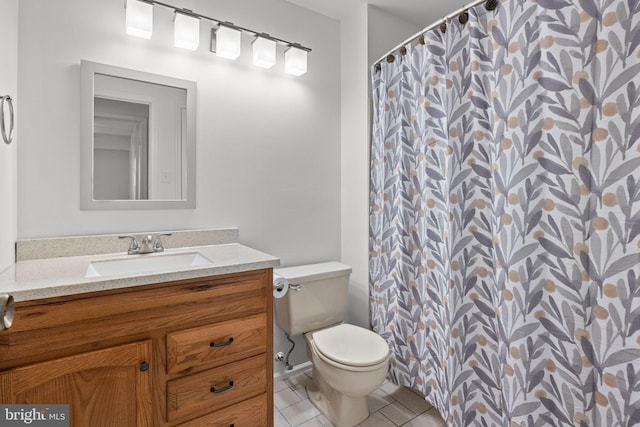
(88, 70)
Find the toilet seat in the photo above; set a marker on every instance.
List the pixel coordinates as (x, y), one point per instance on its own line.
(351, 346)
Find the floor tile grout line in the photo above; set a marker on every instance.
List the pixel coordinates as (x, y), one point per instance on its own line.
(390, 420)
(282, 416)
(296, 385)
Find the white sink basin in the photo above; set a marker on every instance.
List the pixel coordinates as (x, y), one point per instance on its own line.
(146, 264)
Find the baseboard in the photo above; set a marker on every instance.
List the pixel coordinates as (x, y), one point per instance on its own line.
(284, 374)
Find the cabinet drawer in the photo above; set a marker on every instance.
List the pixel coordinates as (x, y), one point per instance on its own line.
(216, 388)
(250, 413)
(115, 318)
(217, 344)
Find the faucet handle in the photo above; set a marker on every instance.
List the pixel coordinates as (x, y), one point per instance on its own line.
(134, 247)
(157, 246)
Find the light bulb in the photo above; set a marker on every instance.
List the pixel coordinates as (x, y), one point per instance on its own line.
(139, 18)
(186, 31)
(295, 61)
(228, 42)
(264, 52)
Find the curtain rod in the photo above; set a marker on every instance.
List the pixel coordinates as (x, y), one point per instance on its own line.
(489, 5)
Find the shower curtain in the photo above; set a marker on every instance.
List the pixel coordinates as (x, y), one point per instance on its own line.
(505, 214)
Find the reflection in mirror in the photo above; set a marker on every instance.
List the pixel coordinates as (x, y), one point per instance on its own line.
(138, 147)
(120, 150)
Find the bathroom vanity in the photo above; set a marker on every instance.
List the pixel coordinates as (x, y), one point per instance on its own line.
(188, 348)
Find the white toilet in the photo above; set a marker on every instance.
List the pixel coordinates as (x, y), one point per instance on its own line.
(349, 362)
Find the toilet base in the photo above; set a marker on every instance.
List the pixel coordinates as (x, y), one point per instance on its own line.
(340, 409)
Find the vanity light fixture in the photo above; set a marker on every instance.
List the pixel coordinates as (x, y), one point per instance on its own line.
(226, 37)
(295, 61)
(227, 41)
(186, 29)
(264, 51)
(139, 18)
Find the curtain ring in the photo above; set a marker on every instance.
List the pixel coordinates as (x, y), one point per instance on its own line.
(421, 39)
(377, 68)
(464, 17)
(391, 58)
(443, 27)
(403, 51)
(7, 139)
(491, 4)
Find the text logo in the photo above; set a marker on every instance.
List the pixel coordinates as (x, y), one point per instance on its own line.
(34, 415)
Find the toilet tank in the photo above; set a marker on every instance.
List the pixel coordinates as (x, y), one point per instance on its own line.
(321, 300)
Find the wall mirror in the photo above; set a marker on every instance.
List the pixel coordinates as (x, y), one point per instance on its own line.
(138, 139)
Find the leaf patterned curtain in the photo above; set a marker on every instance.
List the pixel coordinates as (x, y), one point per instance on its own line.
(505, 214)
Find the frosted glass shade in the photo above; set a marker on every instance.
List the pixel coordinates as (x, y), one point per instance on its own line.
(295, 61)
(264, 52)
(228, 42)
(139, 18)
(186, 31)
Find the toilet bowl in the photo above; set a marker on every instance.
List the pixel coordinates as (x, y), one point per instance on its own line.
(349, 362)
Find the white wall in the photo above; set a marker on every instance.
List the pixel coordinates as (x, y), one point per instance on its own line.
(8, 86)
(354, 155)
(378, 31)
(270, 156)
(268, 149)
(385, 32)
(268, 143)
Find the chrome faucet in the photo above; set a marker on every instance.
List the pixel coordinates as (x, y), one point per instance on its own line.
(134, 247)
(157, 245)
(148, 245)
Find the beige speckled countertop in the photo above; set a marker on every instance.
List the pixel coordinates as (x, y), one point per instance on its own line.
(55, 277)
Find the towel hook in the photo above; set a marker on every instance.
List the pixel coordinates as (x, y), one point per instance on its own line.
(7, 138)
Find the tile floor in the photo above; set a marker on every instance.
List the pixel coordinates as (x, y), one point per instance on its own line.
(390, 406)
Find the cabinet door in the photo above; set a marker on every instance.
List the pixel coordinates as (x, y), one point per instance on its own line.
(109, 387)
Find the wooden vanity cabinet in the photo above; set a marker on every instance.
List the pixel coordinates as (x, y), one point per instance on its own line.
(191, 353)
(103, 380)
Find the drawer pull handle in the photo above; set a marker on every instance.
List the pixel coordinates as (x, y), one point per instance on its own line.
(221, 344)
(222, 389)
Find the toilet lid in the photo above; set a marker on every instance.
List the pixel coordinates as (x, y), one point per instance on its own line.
(351, 345)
